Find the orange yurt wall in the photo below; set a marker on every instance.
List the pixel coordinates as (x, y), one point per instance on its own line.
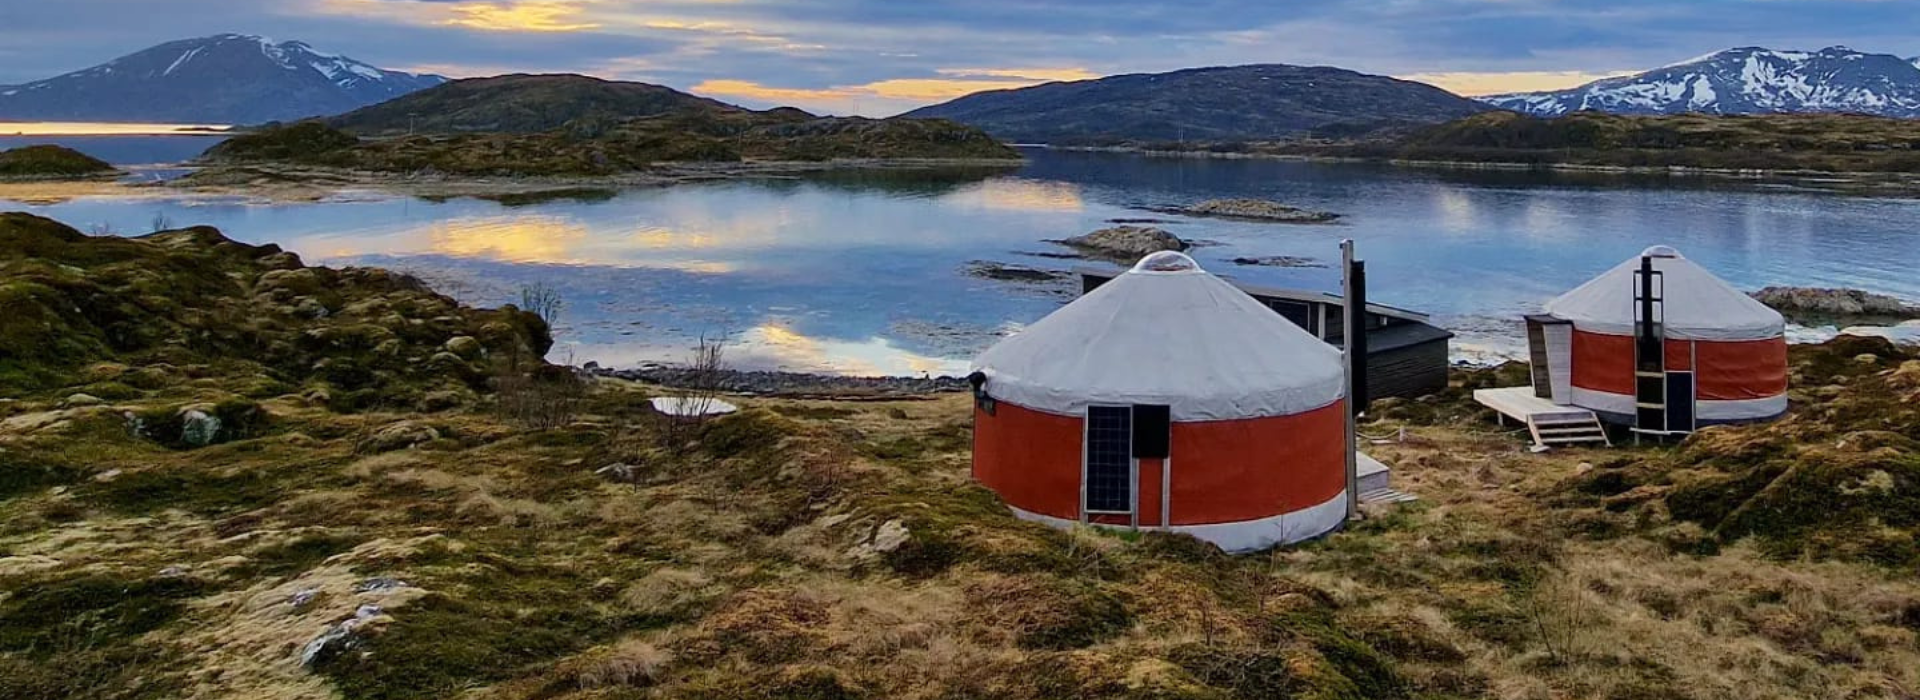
(1234, 471)
(1031, 458)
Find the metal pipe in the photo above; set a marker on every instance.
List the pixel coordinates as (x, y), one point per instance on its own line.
(1347, 359)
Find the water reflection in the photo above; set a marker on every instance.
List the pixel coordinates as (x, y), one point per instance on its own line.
(863, 273)
(1020, 194)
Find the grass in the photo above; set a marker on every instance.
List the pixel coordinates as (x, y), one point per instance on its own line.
(742, 558)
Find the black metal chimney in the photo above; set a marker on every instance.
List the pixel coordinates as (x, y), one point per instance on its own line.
(1356, 310)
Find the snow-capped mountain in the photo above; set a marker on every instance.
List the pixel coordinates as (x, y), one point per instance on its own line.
(224, 79)
(1746, 81)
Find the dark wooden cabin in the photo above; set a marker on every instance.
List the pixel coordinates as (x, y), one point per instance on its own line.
(1407, 356)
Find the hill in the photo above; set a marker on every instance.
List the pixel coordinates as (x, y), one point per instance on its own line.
(223, 79)
(1830, 143)
(50, 162)
(613, 147)
(192, 508)
(1240, 103)
(1749, 80)
(520, 104)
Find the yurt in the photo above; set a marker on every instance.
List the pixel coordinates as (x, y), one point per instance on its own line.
(1660, 344)
(1166, 399)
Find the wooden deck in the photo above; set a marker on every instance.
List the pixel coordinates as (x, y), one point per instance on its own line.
(1550, 424)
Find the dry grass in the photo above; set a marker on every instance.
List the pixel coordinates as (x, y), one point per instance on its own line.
(739, 564)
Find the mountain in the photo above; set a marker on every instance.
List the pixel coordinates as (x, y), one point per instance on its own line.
(1746, 81)
(1239, 103)
(521, 104)
(224, 79)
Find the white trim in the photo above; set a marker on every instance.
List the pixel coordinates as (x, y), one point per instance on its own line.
(1704, 411)
(1242, 537)
(1559, 341)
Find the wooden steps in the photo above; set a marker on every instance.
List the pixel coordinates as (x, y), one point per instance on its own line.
(1387, 495)
(1554, 431)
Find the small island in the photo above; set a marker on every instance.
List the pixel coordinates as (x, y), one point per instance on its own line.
(1245, 209)
(49, 162)
(1838, 307)
(1125, 243)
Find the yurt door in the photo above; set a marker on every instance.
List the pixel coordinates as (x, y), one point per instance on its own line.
(1107, 485)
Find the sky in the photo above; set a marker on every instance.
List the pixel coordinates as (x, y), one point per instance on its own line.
(880, 57)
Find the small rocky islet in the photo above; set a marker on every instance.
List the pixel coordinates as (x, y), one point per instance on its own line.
(51, 162)
(1126, 242)
(1246, 209)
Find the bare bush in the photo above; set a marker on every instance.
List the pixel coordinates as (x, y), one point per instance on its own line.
(161, 222)
(1563, 616)
(705, 376)
(542, 300)
(706, 371)
(542, 398)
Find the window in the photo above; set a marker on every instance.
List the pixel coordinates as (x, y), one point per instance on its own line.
(1109, 459)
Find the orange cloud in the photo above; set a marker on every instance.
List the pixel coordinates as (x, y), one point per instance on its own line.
(532, 16)
(755, 91)
(1041, 74)
(1497, 83)
(500, 16)
(894, 93)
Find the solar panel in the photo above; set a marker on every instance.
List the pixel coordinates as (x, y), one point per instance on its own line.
(1109, 459)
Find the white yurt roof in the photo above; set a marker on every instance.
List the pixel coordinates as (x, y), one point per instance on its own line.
(1166, 333)
(1698, 305)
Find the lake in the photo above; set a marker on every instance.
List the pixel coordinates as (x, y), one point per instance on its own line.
(866, 273)
(119, 144)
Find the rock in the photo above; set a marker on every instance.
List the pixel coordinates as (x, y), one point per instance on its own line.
(302, 597)
(1866, 359)
(400, 436)
(446, 361)
(1258, 210)
(1835, 302)
(309, 307)
(380, 584)
(620, 472)
(338, 637)
(1279, 261)
(106, 476)
(199, 428)
(1907, 333)
(1003, 272)
(891, 535)
(1127, 242)
(466, 346)
(82, 401)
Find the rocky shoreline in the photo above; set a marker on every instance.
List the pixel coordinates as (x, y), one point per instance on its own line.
(784, 384)
(303, 183)
(1820, 306)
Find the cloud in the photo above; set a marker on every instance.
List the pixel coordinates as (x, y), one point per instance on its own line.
(880, 55)
(1478, 84)
(891, 95)
(505, 16)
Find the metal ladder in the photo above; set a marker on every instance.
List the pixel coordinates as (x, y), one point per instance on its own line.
(1649, 349)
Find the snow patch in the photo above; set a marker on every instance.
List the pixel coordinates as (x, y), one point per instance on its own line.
(182, 60)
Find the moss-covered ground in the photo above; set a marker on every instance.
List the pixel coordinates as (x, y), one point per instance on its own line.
(822, 549)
